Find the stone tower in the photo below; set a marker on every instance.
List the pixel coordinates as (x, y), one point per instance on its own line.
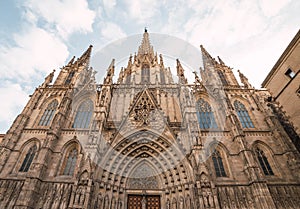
(147, 141)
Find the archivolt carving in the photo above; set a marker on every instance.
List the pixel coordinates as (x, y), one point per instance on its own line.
(143, 178)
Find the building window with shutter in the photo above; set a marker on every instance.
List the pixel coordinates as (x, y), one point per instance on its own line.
(290, 73)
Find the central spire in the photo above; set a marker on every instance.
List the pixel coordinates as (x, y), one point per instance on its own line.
(145, 47)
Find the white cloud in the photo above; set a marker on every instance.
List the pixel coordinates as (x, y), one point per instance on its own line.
(143, 11)
(109, 4)
(111, 31)
(36, 51)
(15, 99)
(272, 7)
(67, 16)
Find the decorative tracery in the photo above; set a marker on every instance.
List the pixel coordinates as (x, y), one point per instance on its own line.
(145, 74)
(205, 115)
(84, 115)
(70, 162)
(48, 113)
(28, 159)
(218, 164)
(243, 115)
(264, 163)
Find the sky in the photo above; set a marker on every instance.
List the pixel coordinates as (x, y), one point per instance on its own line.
(39, 36)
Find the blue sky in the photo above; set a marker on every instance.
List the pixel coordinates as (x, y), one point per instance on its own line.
(39, 36)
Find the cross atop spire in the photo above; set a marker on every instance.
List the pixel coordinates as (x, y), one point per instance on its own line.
(145, 47)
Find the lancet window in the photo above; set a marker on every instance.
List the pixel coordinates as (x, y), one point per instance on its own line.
(145, 74)
(264, 163)
(205, 115)
(69, 78)
(218, 164)
(84, 114)
(243, 115)
(222, 77)
(48, 113)
(28, 159)
(70, 162)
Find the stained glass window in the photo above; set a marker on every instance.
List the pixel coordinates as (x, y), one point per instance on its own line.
(70, 162)
(205, 115)
(48, 114)
(263, 161)
(243, 115)
(145, 74)
(222, 77)
(218, 164)
(28, 159)
(69, 78)
(84, 114)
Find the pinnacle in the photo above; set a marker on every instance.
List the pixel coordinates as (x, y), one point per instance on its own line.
(145, 47)
(85, 57)
(207, 58)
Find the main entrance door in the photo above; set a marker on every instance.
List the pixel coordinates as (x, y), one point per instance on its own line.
(143, 202)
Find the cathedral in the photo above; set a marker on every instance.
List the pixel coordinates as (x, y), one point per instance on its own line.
(149, 140)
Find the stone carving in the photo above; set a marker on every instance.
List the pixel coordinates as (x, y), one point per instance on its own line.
(142, 109)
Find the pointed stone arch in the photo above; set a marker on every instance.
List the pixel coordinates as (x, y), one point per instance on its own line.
(24, 149)
(218, 151)
(144, 176)
(158, 151)
(269, 156)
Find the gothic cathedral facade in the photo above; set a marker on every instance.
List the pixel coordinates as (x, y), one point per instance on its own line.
(148, 141)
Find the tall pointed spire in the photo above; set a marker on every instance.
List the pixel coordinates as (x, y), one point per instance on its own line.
(145, 47)
(207, 58)
(85, 57)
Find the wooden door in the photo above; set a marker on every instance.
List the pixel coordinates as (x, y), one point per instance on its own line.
(143, 202)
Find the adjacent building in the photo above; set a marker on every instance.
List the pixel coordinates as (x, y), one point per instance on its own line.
(283, 82)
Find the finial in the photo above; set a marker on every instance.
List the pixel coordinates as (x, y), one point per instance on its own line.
(221, 61)
(197, 79)
(146, 30)
(244, 80)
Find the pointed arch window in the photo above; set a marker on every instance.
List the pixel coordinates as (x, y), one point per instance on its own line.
(162, 76)
(145, 74)
(243, 115)
(84, 114)
(28, 159)
(264, 163)
(69, 78)
(48, 113)
(218, 164)
(70, 162)
(205, 115)
(222, 77)
(128, 79)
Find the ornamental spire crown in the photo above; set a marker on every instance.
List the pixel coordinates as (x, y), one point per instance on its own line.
(145, 47)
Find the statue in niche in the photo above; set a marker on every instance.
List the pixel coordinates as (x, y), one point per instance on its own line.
(168, 204)
(181, 203)
(144, 201)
